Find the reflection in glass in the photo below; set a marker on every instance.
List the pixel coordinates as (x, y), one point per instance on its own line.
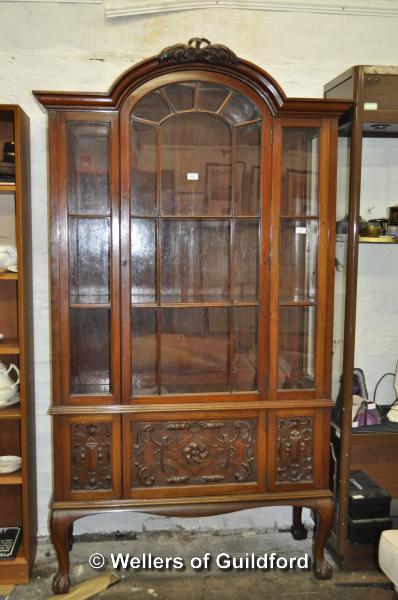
(195, 159)
(143, 351)
(240, 109)
(246, 261)
(296, 359)
(244, 374)
(298, 260)
(89, 255)
(212, 95)
(194, 261)
(300, 170)
(143, 260)
(181, 95)
(152, 107)
(247, 169)
(143, 168)
(88, 168)
(90, 351)
(194, 350)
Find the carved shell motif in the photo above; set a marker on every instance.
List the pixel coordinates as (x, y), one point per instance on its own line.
(198, 50)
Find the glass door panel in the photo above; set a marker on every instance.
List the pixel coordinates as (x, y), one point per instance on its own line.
(143, 260)
(194, 258)
(194, 350)
(195, 162)
(195, 265)
(143, 168)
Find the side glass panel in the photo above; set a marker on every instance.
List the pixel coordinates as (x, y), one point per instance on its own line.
(298, 257)
(296, 347)
(195, 263)
(90, 350)
(89, 256)
(300, 171)
(88, 168)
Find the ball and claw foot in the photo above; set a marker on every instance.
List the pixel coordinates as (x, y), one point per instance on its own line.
(323, 569)
(61, 583)
(299, 533)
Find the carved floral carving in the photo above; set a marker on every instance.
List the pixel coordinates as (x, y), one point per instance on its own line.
(91, 456)
(194, 452)
(198, 50)
(294, 449)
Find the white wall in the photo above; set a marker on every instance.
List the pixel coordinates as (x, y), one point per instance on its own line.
(73, 47)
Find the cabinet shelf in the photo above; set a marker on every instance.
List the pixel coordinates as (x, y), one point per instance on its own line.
(13, 412)
(9, 276)
(8, 188)
(9, 346)
(11, 479)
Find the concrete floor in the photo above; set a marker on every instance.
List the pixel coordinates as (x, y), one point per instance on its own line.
(212, 584)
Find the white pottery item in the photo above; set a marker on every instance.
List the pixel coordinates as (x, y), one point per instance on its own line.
(8, 387)
(14, 400)
(10, 464)
(8, 257)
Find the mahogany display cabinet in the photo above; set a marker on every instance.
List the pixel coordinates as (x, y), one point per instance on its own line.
(368, 146)
(192, 243)
(18, 505)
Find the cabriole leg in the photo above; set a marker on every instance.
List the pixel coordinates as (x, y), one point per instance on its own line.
(324, 508)
(60, 527)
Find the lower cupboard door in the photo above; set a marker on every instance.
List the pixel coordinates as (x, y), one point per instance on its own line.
(190, 455)
(87, 457)
(298, 449)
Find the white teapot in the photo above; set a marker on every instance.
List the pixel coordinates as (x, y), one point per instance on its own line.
(8, 387)
(8, 257)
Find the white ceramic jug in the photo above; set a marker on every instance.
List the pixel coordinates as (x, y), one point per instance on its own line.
(8, 387)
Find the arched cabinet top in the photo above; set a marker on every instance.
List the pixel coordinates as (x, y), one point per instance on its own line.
(201, 57)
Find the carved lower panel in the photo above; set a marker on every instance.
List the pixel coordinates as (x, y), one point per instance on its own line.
(91, 456)
(295, 441)
(193, 452)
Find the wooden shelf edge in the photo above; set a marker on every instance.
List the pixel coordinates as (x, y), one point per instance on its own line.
(10, 346)
(13, 412)
(7, 188)
(9, 276)
(11, 479)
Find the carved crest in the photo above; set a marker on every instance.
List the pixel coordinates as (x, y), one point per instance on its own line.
(198, 50)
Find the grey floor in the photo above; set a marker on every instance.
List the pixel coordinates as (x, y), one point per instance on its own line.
(212, 584)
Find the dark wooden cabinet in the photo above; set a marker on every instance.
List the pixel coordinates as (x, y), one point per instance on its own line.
(372, 131)
(192, 215)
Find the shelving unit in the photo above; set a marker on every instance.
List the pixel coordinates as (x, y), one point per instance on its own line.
(366, 301)
(18, 490)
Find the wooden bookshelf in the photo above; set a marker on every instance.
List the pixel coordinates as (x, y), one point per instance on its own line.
(18, 507)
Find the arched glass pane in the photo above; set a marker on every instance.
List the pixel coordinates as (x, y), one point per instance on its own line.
(212, 95)
(196, 165)
(240, 109)
(181, 95)
(152, 107)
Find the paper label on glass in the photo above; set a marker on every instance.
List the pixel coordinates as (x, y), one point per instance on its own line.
(301, 230)
(370, 106)
(192, 176)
